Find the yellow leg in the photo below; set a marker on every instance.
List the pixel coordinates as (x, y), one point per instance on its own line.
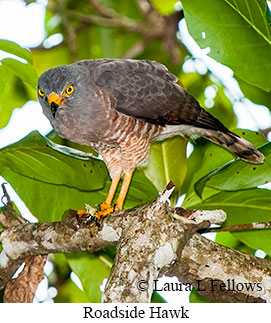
(114, 184)
(106, 207)
(123, 191)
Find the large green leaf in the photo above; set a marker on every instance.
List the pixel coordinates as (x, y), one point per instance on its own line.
(14, 94)
(208, 157)
(24, 71)
(245, 206)
(196, 297)
(238, 174)
(229, 240)
(254, 93)
(91, 269)
(167, 162)
(238, 34)
(34, 158)
(50, 182)
(45, 59)
(48, 202)
(15, 49)
(17, 80)
(70, 293)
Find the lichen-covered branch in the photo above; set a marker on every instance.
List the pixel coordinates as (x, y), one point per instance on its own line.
(223, 274)
(148, 243)
(151, 241)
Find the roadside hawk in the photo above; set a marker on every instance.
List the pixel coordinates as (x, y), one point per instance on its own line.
(118, 106)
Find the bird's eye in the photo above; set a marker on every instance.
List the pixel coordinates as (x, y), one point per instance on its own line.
(69, 90)
(41, 93)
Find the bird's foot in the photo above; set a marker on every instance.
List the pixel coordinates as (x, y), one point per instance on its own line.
(105, 206)
(106, 209)
(84, 216)
(103, 213)
(97, 215)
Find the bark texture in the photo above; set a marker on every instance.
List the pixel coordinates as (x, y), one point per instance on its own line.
(151, 241)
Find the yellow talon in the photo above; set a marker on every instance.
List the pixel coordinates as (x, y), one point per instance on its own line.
(103, 213)
(104, 206)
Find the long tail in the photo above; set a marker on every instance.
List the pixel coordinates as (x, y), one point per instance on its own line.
(191, 119)
(238, 146)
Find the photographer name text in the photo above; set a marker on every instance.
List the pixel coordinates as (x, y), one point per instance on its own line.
(214, 284)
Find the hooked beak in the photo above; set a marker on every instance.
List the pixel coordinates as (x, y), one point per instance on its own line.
(55, 101)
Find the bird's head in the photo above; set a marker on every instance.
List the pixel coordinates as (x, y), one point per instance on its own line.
(60, 87)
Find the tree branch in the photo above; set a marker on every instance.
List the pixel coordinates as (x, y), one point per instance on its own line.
(103, 10)
(123, 22)
(151, 241)
(223, 274)
(241, 227)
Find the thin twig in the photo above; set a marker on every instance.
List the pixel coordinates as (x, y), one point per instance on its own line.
(123, 22)
(70, 38)
(10, 209)
(265, 132)
(102, 10)
(241, 227)
(135, 50)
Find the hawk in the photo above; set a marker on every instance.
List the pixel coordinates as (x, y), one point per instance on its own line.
(118, 106)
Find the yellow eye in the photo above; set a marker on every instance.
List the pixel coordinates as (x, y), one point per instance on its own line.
(41, 93)
(69, 90)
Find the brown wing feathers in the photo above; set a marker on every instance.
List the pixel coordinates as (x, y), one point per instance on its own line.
(190, 113)
(146, 90)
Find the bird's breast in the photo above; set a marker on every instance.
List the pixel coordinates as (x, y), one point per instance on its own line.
(100, 128)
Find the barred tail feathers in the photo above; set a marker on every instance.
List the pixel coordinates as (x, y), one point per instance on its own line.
(235, 144)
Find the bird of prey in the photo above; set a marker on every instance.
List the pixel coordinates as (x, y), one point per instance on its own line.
(118, 106)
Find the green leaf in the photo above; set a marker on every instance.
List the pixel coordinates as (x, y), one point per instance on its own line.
(164, 7)
(24, 71)
(141, 191)
(254, 93)
(238, 174)
(48, 202)
(208, 158)
(10, 85)
(50, 183)
(34, 158)
(237, 33)
(45, 59)
(202, 182)
(167, 162)
(157, 298)
(195, 297)
(247, 206)
(227, 239)
(91, 269)
(15, 49)
(70, 293)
